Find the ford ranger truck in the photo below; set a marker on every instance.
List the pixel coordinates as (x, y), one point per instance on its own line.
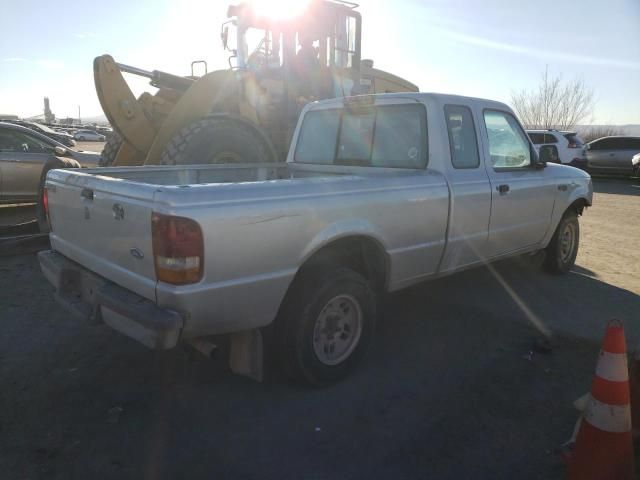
(378, 193)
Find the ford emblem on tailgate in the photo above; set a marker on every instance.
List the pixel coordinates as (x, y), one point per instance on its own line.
(136, 253)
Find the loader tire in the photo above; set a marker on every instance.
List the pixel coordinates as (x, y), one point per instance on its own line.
(110, 150)
(216, 140)
(53, 163)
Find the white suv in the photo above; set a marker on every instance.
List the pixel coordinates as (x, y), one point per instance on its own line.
(570, 146)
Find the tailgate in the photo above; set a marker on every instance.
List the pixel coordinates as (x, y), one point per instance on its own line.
(104, 224)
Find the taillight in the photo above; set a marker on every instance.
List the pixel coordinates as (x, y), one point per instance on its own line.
(45, 206)
(178, 249)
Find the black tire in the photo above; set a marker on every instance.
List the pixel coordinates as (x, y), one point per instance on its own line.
(562, 251)
(110, 150)
(53, 163)
(216, 140)
(307, 303)
(81, 139)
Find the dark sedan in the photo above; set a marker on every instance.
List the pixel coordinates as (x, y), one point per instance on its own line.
(62, 137)
(23, 154)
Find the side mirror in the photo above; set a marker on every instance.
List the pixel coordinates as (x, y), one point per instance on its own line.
(60, 151)
(587, 147)
(548, 153)
(224, 35)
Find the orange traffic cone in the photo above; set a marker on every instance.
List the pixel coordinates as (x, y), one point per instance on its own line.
(604, 447)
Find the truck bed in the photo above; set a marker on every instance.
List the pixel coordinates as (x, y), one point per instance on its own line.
(259, 222)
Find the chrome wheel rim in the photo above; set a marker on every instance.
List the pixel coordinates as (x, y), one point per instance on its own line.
(337, 330)
(567, 242)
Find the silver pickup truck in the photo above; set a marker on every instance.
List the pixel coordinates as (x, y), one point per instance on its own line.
(378, 193)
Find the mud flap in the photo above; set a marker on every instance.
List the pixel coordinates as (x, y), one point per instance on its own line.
(246, 356)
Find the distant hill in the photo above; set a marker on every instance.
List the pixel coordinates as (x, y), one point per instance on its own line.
(633, 129)
(99, 119)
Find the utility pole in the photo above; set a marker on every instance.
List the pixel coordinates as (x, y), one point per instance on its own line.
(79, 119)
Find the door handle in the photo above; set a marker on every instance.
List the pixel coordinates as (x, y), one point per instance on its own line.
(502, 189)
(612, 154)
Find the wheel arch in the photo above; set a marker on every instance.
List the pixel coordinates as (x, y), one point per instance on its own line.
(578, 205)
(362, 252)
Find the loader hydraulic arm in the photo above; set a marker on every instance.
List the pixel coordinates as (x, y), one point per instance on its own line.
(159, 79)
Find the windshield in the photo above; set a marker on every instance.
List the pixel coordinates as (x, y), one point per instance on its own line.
(44, 128)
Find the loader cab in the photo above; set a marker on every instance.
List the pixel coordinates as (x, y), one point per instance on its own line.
(282, 49)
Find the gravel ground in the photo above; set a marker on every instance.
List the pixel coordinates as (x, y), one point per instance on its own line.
(90, 146)
(452, 389)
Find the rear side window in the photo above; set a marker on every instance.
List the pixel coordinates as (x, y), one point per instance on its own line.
(574, 140)
(391, 136)
(630, 143)
(536, 138)
(462, 137)
(550, 138)
(612, 143)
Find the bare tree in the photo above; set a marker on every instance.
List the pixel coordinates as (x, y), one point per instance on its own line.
(556, 104)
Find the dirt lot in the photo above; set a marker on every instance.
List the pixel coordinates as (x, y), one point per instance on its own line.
(90, 146)
(452, 389)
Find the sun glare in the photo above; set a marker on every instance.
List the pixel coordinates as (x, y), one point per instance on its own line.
(280, 9)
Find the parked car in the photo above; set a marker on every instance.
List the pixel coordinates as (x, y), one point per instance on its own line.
(61, 137)
(378, 193)
(568, 144)
(23, 155)
(89, 135)
(612, 154)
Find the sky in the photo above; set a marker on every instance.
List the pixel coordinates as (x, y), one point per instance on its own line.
(486, 48)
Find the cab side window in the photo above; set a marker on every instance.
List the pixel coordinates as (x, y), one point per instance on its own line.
(509, 146)
(8, 142)
(463, 142)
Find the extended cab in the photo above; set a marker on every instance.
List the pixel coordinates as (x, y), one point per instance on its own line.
(378, 193)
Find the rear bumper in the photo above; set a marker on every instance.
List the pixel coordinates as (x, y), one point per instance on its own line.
(92, 297)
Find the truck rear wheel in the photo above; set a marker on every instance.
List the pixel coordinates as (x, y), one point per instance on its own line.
(325, 325)
(110, 150)
(563, 248)
(216, 140)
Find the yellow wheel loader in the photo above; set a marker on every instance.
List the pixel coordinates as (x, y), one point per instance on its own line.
(245, 113)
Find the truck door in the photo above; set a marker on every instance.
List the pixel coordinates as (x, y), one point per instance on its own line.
(470, 192)
(522, 196)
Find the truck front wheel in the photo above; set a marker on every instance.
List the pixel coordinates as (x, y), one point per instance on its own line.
(325, 325)
(563, 248)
